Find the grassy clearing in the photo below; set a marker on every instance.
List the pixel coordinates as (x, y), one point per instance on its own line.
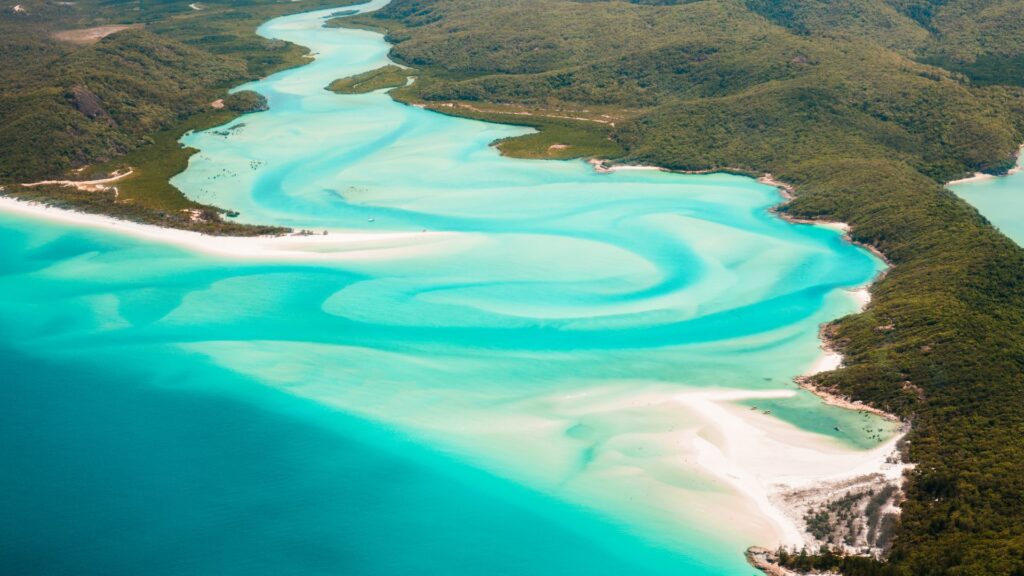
(555, 139)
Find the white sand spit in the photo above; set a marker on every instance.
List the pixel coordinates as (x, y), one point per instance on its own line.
(335, 246)
(785, 470)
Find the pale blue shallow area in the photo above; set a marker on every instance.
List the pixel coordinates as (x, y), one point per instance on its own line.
(1000, 199)
(496, 399)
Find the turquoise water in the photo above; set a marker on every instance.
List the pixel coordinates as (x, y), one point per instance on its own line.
(501, 391)
(1001, 200)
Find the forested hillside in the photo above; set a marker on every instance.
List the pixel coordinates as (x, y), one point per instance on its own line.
(866, 107)
(101, 85)
(103, 100)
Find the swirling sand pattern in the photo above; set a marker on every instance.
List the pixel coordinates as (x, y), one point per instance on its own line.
(568, 362)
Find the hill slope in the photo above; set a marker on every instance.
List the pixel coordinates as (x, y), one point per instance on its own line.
(96, 85)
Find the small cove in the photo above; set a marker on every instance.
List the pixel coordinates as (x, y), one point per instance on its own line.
(1000, 199)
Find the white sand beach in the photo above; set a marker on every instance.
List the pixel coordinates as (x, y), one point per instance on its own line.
(862, 296)
(977, 176)
(335, 245)
(765, 458)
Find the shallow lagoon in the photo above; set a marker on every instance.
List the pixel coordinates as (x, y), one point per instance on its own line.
(539, 384)
(1000, 199)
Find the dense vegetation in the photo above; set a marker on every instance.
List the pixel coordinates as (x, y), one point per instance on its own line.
(866, 107)
(72, 100)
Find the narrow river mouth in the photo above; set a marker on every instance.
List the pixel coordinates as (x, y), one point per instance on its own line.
(621, 343)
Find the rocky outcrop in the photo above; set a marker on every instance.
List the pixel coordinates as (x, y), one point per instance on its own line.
(88, 103)
(767, 561)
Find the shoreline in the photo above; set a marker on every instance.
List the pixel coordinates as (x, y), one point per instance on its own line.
(882, 470)
(788, 193)
(603, 166)
(786, 474)
(975, 178)
(335, 245)
(887, 474)
(788, 504)
(830, 359)
(978, 176)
